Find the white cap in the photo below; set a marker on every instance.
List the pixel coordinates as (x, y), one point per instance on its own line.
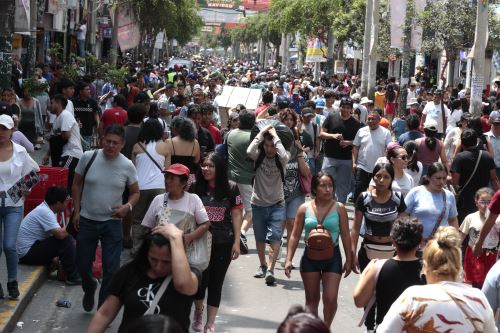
(7, 121)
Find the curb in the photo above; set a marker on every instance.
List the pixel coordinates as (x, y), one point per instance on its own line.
(15, 308)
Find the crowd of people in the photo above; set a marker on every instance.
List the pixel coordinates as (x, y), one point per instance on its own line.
(156, 166)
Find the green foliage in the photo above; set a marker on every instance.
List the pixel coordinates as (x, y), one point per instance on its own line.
(34, 86)
(208, 40)
(348, 24)
(224, 38)
(178, 18)
(448, 25)
(116, 76)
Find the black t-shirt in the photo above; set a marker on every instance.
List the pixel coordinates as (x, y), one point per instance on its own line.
(85, 112)
(136, 291)
(131, 135)
(205, 140)
(334, 124)
(219, 213)
(395, 276)
(379, 217)
(464, 164)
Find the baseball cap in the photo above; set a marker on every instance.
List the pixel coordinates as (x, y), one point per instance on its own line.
(307, 112)
(5, 108)
(495, 120)
(141, 97)
(356, 97)
(320, 103)
(431, 125)
(282, 102)
(6, 121)
(178, 169)
(234, 115)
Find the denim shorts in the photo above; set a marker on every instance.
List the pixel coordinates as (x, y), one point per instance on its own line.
(333, 265)
(267, 222)
(293, 205)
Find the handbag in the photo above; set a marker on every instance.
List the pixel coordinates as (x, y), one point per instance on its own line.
(320, 243)
(378, 251)
(150, 157)
(159, 294)
(70, 228)
(457, 195)
(198, 252)
(305, 183)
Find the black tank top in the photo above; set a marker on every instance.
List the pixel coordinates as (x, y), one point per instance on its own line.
(395, 276)
(185, 160)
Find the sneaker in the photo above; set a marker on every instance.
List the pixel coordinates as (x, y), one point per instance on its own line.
(197, 320)
(209, 328)
(12, 289)
(261, 272)
(270, 279)
(2, 296)
(88, 297)
(37, 146)
(243, 244)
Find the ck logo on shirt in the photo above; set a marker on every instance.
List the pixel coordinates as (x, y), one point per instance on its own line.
(147, 295)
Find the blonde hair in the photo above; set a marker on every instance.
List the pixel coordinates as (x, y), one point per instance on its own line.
(443, 254)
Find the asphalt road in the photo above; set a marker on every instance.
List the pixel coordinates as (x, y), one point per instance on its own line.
(248, 305)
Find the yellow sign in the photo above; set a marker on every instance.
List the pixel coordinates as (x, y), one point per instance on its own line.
(316, 52)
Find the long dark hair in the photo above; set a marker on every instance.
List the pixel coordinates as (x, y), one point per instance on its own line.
(221, 178)
(299, 320)
(151, 131)
(412, 150)
(430, 138)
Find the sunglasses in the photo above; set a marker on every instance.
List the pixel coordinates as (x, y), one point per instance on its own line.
(404, 157)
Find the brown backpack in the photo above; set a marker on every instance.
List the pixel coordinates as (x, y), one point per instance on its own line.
(320, 244)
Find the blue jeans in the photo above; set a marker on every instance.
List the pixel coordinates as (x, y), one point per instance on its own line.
(341, 171)
(111, 236)
(10, 221)
(267, 222)
(312, 165)
(81, 48)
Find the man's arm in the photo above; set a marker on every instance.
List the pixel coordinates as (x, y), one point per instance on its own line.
(355, 151)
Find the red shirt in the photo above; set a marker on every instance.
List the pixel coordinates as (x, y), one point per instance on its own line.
(485, 123)
(215, 133)
(260, 109)
(115, 115)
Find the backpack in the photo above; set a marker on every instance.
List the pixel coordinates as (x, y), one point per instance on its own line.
(320, 244)
(261, 157)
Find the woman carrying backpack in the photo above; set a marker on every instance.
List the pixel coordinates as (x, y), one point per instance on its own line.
(324, 210)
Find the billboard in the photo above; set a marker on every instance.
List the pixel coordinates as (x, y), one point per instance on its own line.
(257, 5)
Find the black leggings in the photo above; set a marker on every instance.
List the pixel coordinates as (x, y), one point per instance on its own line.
(213, 276)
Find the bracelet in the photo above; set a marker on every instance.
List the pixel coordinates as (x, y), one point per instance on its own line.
(129, 206)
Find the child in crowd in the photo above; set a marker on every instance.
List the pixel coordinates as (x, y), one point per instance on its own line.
(476, 268)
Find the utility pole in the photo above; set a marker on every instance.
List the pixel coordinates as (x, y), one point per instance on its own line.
(372, 70)
(405, 70)
(29, 70)
(113, 51)
(6, 31)
(329, 53)
(366, 47)
(478, 55)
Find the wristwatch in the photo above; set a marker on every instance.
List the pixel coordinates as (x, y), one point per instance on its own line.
(129, 205)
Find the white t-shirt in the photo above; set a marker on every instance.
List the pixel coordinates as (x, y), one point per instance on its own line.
(432, 307)
(453, 119)
(70, 107)
(65, 122)
(189, 203)
(82, 32)
(472, 225)
(403, 184)
(371, 146)
(35, 226)
(416, 175)
(433, 111)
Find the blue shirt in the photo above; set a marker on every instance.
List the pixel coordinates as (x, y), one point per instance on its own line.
(491, 288)
(427, 207)
(409, 136)
(331, 223)
(297, 104)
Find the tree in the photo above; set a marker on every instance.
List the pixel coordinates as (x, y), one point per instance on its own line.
(224, 38)
(6, 32)
(448, 25)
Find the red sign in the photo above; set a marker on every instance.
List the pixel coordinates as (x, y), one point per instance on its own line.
(257, 5)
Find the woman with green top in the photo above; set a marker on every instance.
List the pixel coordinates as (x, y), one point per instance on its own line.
(325, 273)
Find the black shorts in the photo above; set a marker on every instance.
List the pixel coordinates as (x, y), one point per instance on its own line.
(333, 265)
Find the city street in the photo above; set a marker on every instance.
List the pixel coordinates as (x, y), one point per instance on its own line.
(248, 305)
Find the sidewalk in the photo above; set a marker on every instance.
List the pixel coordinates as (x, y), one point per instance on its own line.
(30, 278)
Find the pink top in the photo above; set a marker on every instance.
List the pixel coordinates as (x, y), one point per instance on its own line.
(427, 156)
